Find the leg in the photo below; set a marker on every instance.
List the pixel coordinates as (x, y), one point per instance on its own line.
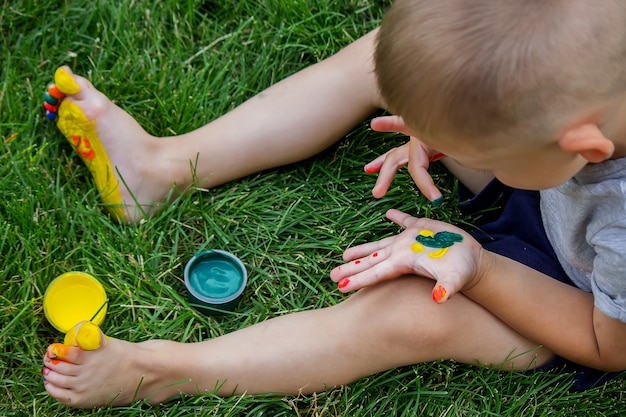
(391, 324)
(290, 121)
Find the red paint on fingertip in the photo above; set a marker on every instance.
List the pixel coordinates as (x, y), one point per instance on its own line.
(343, 283)
(370, 170)
(436, 157)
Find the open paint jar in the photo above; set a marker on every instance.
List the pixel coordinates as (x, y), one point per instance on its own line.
(74, 297)
(215, 280)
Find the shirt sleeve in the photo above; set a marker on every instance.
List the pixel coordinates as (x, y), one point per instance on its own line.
(608, 278)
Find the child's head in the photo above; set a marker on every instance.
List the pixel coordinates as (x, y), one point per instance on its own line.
(487, 71)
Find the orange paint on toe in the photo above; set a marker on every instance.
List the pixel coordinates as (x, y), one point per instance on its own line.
(59, 350)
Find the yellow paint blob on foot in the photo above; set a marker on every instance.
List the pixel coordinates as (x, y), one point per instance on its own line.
(439, 294)
(81, 133)
(65, 82)
(85, 335)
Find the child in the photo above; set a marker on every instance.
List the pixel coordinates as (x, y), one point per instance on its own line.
(495, 85)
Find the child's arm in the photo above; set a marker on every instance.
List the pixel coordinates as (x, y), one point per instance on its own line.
(560, 317)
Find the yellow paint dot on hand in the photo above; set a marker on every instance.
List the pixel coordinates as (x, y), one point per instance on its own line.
(438, 253)
(417, 247)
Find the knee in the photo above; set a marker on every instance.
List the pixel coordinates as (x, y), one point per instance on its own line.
(400, 312)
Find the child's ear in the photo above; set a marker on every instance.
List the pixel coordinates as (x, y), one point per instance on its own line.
(588, 141)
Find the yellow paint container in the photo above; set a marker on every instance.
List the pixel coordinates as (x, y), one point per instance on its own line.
(74, 297)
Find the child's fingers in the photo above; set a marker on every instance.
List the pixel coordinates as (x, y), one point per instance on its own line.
(377, 273)
(394, 160)
(390, 124)
(401, 218)
(358, 265)
(418, 164)
(375, 165)
(365, 249)
(425, 183)
(445, 289)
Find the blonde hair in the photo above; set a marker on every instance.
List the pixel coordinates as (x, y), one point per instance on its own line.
(489, 68)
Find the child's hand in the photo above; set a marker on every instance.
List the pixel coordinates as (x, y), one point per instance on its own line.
(414, 154)
(426, 247)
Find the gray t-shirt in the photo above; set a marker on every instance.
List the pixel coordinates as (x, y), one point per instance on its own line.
(585, 221)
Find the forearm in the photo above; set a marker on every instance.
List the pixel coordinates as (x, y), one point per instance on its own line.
(558, 316)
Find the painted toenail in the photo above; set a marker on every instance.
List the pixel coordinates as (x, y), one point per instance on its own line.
(49, 99)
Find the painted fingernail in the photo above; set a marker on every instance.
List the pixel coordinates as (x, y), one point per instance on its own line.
(436, 157)
(437, 202)
(46, 371)
(343, 283)
(439, 294)
(370, 170)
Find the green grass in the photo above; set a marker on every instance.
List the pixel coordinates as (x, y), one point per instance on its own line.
(176, 65)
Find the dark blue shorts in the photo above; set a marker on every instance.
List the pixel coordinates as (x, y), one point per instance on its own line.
(509, 224)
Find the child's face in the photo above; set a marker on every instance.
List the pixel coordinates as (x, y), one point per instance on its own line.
(533, 166)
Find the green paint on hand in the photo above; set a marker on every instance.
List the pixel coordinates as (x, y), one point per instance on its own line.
(439, 239)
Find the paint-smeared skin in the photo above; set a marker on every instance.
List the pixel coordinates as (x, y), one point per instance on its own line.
(438, 240)
(439, 294)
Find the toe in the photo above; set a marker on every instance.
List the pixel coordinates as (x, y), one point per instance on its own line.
(65, 82)
(63, 352)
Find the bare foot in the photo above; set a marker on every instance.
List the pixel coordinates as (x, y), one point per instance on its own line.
(118, 373)
(121, 156)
